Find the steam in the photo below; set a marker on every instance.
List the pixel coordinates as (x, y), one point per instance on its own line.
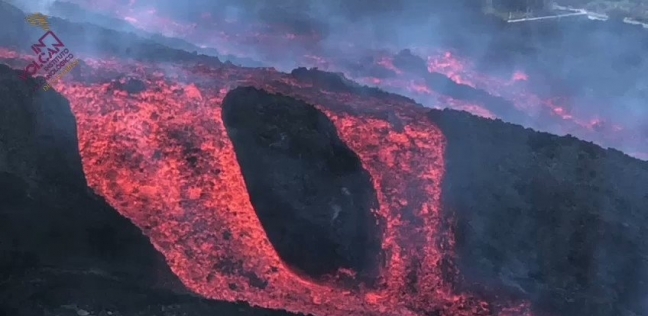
(33, 6)
(599, 68)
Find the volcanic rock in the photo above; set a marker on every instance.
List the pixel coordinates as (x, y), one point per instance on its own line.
(558, 219)
(553, 220)
(308, 188)
(129, 85)
(63, 250)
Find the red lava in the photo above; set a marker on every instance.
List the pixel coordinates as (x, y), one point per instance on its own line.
(200, 217)
(269, 42)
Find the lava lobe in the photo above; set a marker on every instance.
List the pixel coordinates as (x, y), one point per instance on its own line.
(309, 189)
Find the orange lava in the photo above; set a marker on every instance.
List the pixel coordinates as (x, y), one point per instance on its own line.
(271, 42)
(200, 218)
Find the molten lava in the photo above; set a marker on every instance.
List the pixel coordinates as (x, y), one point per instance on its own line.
(199, 216)
(269, 43)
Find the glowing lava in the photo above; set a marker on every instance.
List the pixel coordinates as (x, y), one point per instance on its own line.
(270, 43)
(199, 215)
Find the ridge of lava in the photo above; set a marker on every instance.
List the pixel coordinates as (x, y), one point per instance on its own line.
(137, 121)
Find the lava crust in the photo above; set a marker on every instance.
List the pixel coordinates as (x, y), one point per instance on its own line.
(310, 191)
(556, 219)
(100, 263)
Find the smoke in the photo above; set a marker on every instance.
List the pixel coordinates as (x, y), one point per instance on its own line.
(33, 6)
(369, 24)
(598, 67)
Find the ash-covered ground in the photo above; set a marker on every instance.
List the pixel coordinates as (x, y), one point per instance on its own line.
(553, 220)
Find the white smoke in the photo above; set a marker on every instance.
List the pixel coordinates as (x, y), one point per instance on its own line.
(33, 6)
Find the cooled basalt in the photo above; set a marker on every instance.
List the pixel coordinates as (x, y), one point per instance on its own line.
(63, 250)
(556, 218)
(309, 190)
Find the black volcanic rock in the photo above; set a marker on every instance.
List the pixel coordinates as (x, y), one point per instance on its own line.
(129, 85)
(552, 219)
(339, 83)
(309, 189)
(63, 250)
(39, 154)
(406, 60)
(557, 220)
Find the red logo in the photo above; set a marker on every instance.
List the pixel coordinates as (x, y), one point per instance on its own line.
(48, 46)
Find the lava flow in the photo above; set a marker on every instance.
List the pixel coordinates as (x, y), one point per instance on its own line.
(558, 114)
(134, 145)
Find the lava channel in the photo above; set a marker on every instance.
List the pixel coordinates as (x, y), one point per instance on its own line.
(162, 157)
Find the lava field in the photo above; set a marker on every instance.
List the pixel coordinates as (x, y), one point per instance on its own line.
(578, 77)
(302, 192)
